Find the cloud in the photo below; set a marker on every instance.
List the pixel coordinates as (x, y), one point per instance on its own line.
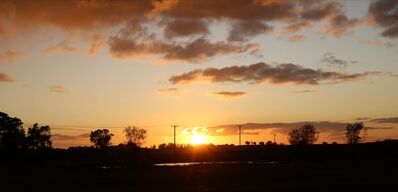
(297, 26)
(241, 31)
(385, 120)
(185, 27)
(97, 41)
(229, 94)
(378, 43)
(193, 51)
(340, 25)
(60, 48)
(304, 91)
(59, 89)
(174, 92)
(296, 38)
(261, 72)
(9, 56)
(384, 14)
(5, 78)
(332, 60)
(72, 15)
(63, 137)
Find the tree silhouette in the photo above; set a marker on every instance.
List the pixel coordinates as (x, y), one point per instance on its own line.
(101, 138)
(39, 137)
(353, 132)
(135, 135)
(247, 142)
(307, 134)
(12, 134)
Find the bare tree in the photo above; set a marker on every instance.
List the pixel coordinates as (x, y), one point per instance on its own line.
(307, 134)
(135, 135)
(353, 132)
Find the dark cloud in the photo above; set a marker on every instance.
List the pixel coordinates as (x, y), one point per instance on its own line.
(241, 31)
(332, 60)
(262, 72)
(193, 51)
(340, 25)
(385, 14)
(385, 120)
(185, 27)
(5, 78)
(229, 94)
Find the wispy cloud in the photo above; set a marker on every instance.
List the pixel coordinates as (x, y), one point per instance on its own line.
(62, 47)
(59, 89)
(174, 92)
(307, 91)
(229, 94)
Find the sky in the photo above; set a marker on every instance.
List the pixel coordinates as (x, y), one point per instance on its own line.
(207, 66)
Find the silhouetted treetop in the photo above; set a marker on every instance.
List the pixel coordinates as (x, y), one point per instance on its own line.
(135, 135)
(12, 134)
(39, 137)
(353, 132)
(307, 134)
(101, 138)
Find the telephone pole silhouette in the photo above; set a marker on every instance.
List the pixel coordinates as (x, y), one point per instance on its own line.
(240, 134)
(174, 126)
(274, 137)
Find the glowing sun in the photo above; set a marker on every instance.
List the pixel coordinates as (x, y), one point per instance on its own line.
(198, 139)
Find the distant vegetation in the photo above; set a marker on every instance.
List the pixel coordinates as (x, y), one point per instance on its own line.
(13, 136)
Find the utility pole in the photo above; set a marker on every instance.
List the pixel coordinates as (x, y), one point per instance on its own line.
(174, 126)
(274, 137)
(240, 133)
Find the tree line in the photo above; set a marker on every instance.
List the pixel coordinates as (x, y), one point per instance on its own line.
(13, 136)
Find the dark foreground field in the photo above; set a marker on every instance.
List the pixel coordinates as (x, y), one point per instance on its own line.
(340, 168)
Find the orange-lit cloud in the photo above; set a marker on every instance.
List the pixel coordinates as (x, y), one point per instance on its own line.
(5, 78)
(59, 89)
(229, 94)
(62, 47)
(296, 38)
(262, 72)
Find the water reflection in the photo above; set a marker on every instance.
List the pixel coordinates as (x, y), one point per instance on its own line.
(214, 163)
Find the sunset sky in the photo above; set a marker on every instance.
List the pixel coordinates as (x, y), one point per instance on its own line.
(206, 65)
